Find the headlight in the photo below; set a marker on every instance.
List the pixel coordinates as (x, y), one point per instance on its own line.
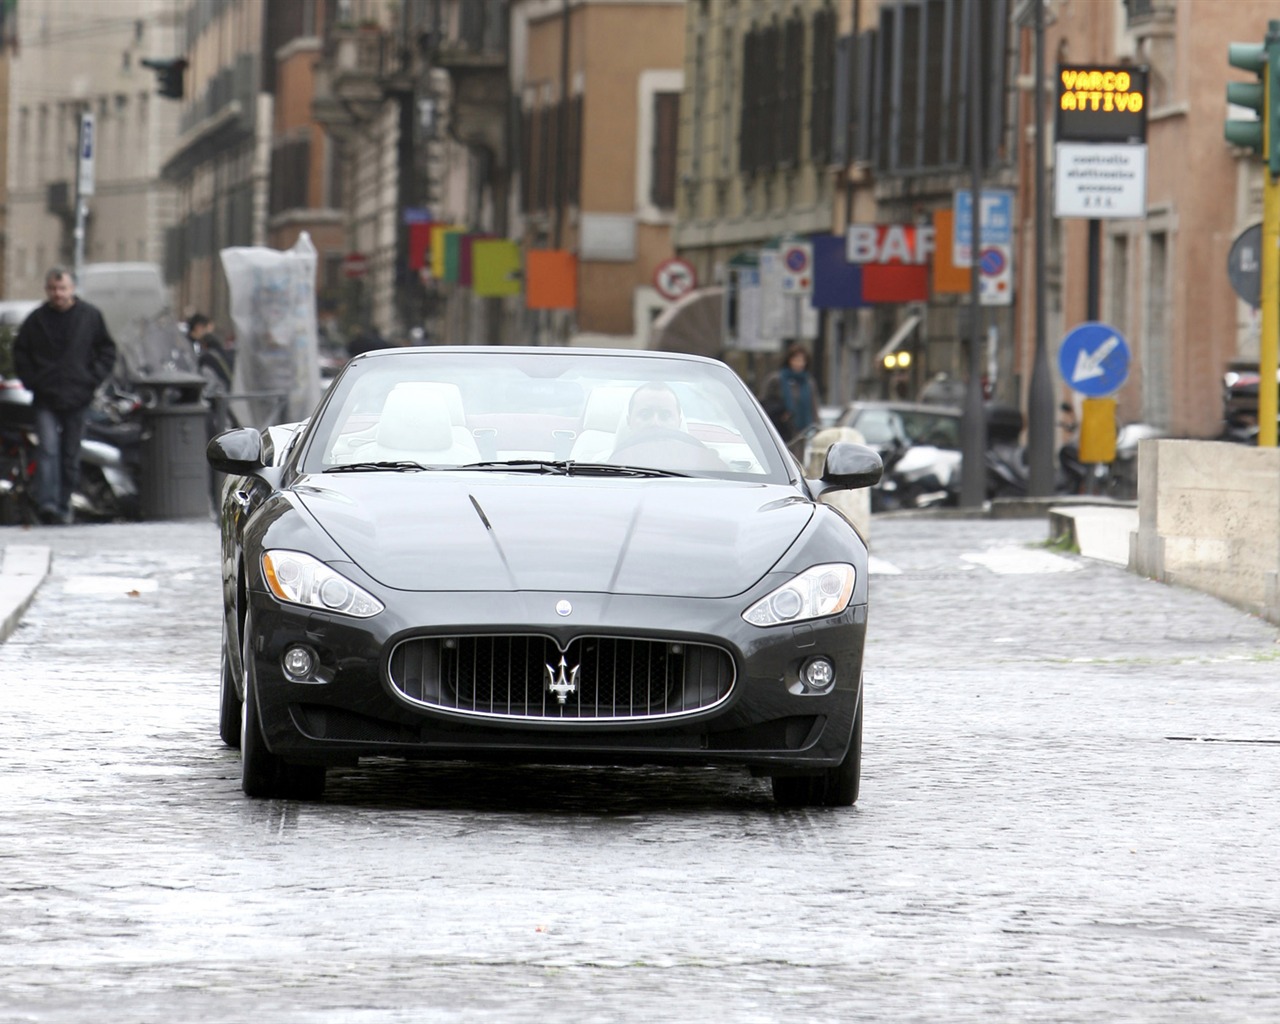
(301, 579)
(817, 592)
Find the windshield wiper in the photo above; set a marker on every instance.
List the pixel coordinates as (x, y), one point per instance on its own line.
(568, 467)
(372, 467)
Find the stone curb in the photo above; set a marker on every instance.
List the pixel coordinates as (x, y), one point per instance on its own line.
(23, 568)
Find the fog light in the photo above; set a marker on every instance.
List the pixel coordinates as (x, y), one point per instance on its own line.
(818, 674)
(299, 663)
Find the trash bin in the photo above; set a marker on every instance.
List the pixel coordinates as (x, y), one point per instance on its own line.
(174, 474)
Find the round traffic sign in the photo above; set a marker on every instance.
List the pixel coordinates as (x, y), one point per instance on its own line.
(991, 262)
(674, 278)
(1244, 265)
(355, 264)
(1094, 359)
(796, 259)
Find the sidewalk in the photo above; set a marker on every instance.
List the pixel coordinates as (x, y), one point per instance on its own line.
(23, 568)
(1096, 531)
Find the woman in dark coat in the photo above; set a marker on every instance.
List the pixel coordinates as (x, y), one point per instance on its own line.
(791, 394)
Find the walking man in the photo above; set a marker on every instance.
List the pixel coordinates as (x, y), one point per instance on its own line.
(62, 353)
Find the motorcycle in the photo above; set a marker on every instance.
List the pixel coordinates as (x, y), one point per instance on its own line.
(1116, 479)
(918, 476)
(108, 483)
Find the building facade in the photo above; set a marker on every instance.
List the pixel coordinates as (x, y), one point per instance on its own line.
(75, 58)
(598, 151)
(1163, 277)
(895, 79)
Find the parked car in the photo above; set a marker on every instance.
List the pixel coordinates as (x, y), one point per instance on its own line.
(920, 446)
(543, 555)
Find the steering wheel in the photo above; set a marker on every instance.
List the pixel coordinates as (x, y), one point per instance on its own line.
(658, 435)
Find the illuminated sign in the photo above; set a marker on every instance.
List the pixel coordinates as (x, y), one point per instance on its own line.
(1101, 104)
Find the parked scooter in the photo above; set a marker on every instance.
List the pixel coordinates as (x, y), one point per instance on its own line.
(919, 476)
(108, 483)
(1116, 479)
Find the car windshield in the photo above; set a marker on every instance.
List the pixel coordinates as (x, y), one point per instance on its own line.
(498, 410)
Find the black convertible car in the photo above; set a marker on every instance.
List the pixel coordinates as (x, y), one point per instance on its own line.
(539, 555)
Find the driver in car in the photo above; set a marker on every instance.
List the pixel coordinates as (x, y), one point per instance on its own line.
(656, 436)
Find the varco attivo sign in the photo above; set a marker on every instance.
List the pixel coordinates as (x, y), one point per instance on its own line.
(1101, 104)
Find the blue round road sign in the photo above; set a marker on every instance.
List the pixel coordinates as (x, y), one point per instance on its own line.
(1094, 359)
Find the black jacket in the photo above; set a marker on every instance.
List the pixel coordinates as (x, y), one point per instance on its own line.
(61, 358)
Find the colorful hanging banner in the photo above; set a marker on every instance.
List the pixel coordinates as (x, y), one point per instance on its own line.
(452, 255)
(438, 238)
(837, 283)
(551, 279)
(948, 279)
(495, 267)
(420, 243)
(466, 251)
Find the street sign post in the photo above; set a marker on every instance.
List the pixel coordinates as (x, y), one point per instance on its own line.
(996, 223)
(1094, 359)
(1244, 265)
(674, 278)
(355, 265)
(85, 147)
(797, 268)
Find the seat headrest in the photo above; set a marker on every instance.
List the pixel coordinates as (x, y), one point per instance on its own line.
(437, 393)
(606, 408)
(412, 423)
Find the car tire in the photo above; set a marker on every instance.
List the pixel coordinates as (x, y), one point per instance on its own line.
(263, 775)
(230, 707)
(798, 790)
(836, 787)
(843, 781)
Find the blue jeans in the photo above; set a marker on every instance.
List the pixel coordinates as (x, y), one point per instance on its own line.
(58, 459)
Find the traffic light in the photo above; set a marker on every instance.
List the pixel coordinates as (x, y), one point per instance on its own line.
(1253, 95)
(170, 76)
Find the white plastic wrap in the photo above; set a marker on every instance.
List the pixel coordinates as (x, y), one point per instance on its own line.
(273, 306)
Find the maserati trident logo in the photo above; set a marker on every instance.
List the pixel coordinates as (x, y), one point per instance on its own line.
(561, 680)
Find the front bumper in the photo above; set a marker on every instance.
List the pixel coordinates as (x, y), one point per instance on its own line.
(354, 710)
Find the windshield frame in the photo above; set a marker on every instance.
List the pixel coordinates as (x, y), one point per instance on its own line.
(770, 462)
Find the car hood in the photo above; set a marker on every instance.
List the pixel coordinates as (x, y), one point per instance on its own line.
(430, 532)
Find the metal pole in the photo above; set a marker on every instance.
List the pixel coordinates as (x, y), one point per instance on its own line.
(1095, 262)
(562, 135)
(82, 208)
(973, 468)
(1040, 410)
(1270, 336)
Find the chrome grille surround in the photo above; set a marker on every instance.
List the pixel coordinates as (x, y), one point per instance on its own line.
(514, 677)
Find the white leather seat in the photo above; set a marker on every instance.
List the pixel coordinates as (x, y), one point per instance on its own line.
(604, 414)
(417, 424)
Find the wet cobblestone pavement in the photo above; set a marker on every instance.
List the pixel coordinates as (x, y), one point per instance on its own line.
(1030, 845)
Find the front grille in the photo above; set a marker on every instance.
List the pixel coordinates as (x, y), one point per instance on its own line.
(530, 677)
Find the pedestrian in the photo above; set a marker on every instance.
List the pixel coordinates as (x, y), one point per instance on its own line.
(62, 353)
(791, 394)
(212, 357)
(367, 340)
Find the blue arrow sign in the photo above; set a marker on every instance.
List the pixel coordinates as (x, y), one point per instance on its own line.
(1094, 359)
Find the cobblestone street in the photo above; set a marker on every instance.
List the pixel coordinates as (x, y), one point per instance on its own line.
(1068, 813)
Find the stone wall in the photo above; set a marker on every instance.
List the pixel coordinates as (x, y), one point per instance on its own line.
(1209, 519)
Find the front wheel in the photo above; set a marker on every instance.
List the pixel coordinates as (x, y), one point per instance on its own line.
(835, 787)
(230, 707)
(262, 773)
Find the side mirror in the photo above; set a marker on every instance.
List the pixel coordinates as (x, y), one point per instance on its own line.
(236, 452)
(851, 466)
